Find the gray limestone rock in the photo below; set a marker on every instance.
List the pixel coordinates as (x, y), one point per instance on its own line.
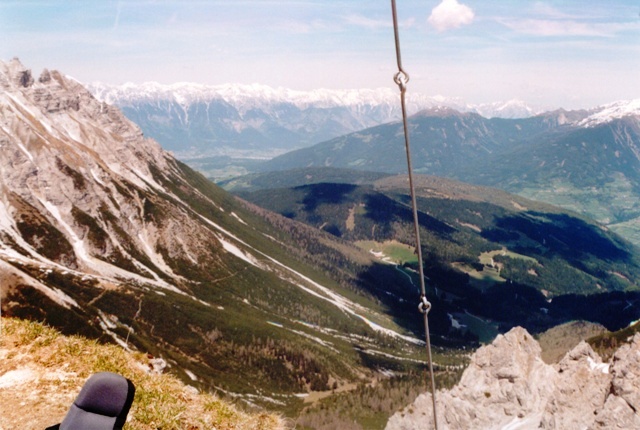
(79, 167)
(507, 386)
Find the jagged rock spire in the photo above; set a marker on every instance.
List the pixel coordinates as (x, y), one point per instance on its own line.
(508, 386)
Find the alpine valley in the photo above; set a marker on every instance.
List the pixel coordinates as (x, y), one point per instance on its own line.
(303, 286)
(104, 234)
(584, 160)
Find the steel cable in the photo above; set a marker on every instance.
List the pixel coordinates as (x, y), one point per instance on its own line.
(401, 78)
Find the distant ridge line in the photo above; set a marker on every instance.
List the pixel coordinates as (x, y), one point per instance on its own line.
(239, 95)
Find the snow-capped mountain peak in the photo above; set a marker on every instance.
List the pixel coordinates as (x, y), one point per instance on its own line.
(262, 121)
(609, 112)
(513, 108)
(259, 96)
(238, 94)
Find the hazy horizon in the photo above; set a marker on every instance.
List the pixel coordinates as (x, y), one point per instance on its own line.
(571, 54)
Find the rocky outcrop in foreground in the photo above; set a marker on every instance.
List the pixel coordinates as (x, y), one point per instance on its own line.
(508, 386)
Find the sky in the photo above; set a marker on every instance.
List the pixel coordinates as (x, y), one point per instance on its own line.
(572, 54)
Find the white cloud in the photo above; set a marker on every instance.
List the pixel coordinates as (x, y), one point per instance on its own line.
(450, 14)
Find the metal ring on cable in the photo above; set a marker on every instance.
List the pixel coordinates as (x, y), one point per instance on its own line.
(424, 306)
(401, 78)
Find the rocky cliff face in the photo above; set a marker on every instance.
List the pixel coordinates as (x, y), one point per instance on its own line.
(78, 184)
(508, 386)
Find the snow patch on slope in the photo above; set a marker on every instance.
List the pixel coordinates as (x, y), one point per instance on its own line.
(232, 249)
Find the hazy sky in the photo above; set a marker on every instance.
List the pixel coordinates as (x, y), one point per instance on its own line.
(575, 53)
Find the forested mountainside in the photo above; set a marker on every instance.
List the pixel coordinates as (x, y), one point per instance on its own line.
(103, 233)
(488, 253)
(586, 161)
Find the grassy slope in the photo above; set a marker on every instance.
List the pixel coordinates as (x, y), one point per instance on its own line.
(41, 372)
(607, 343)
(556, 342)
(297, 177)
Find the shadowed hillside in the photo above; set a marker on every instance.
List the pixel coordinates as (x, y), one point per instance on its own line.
(487, 253)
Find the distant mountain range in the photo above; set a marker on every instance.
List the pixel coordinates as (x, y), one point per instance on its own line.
(252, 121)
(447, 142)
(588, 161)
(230, 130)
(216, 129)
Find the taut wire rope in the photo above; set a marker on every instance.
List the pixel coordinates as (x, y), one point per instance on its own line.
(401, 78)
